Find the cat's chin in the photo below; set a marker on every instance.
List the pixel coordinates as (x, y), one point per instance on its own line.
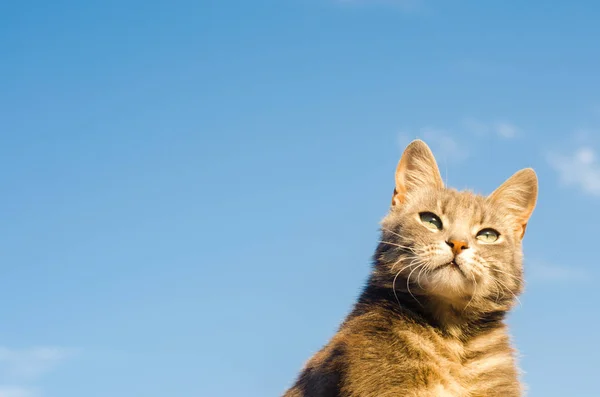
(449, 281)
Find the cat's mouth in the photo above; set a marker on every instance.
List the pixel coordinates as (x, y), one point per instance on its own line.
(453, 265)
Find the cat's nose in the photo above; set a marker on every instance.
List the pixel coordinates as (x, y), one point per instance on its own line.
(457, 246)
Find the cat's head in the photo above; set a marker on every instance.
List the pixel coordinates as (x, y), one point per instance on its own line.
(458, 246)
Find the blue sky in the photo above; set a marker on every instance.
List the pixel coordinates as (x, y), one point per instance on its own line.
(191, 190)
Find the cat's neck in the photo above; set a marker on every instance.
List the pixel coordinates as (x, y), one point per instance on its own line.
(430, 311)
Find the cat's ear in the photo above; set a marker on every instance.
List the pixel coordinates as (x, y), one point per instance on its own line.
(416, 170)
(519, 195)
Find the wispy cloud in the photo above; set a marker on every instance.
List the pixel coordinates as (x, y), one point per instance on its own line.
(505, 130)
(545, 272)
(31, 363)
(445, 146)
(25, 366)
(502, 129)
(8, 391)
(579, 169)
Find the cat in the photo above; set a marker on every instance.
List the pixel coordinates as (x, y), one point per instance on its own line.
(430, 321)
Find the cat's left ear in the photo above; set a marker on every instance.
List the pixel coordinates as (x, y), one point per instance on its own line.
(519, 195)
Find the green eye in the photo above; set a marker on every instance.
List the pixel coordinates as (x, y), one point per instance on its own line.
(431, 221)
(488, 235)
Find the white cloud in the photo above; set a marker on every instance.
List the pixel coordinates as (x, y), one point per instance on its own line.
(476, 127)
(545, 272)
(8, 391)
(31, 363)
(24, 366)
(580, 169)
(503, 129)
(444, 146)
(447, 147)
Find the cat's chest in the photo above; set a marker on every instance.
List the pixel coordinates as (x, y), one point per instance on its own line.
(422, 362)
(474, 369)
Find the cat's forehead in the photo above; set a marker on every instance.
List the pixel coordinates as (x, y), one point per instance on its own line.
(450, 201)
(455, 205)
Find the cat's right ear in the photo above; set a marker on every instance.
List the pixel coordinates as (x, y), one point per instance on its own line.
(416, 170)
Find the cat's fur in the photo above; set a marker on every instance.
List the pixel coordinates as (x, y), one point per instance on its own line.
(423, 327)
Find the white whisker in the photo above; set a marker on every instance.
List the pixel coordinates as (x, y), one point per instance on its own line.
(515, 278)
(474, 292)
(396, 245)
(391, 231)
(508, 289)
(408, 283)
(394, 282)
(425, 268)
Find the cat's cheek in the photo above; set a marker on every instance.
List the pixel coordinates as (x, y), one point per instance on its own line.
(468, 261)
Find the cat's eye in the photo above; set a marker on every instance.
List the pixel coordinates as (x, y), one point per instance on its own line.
(431, 221)
(488, 235)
